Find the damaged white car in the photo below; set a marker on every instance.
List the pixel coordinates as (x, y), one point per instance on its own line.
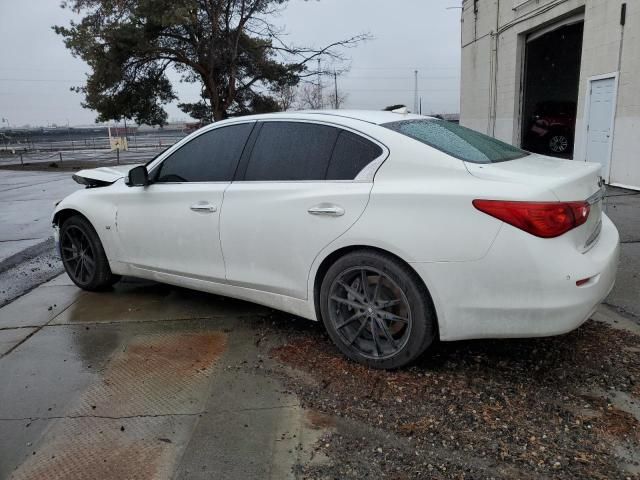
(393, 229)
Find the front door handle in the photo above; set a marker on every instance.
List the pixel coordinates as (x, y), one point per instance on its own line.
(204, 207)
(327, 210)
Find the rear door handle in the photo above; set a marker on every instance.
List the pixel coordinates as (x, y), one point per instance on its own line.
(204, 207)
(327, 210)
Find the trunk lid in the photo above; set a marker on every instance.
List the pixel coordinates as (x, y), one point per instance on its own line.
(567, 180)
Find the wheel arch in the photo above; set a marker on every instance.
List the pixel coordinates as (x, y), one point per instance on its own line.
(66, 212)
(63, 214)
(332, 257)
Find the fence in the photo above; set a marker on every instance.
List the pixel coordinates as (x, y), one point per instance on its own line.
(90, 143)
(88, 150)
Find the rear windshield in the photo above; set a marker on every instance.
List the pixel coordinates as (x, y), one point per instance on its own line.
(457, 141)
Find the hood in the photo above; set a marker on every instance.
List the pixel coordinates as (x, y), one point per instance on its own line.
(103, 176)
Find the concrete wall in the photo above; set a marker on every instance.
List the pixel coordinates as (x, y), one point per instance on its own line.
(492, 69)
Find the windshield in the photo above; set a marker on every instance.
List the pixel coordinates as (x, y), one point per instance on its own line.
(457, 141)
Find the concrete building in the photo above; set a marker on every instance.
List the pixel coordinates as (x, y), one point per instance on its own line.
(560, 77)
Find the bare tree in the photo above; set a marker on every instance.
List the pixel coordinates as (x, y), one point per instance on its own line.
(286, 96)
(310, 97)
(336, 101)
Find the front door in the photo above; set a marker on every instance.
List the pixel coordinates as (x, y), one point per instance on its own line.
(296, 195)
(600, 122)
(172, 225)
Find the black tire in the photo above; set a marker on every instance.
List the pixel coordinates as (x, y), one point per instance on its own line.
(83, 256)
(386, 325)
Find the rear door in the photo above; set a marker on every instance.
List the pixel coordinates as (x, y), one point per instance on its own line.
(172, 225)
(298, 190)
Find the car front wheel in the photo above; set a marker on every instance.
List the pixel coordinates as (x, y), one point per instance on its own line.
(83, 255)
(376, 310)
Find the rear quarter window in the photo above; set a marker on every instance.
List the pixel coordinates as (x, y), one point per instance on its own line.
(351, 154)
(458, 141)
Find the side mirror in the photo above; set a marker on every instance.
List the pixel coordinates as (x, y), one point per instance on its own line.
(138, 177)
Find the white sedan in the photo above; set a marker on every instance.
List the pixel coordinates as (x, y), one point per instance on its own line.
(393, 229)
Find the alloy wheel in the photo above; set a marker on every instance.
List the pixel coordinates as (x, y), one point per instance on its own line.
(78, 254)
(370, 312)
(559, 143)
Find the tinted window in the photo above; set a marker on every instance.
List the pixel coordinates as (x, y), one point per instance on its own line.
(210, 157)
(458, 141)
(291, 151)
(351, 154)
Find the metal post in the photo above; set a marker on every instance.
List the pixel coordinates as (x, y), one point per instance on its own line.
(21, 162)
(335, 83)
(415, 93)
(320, 102)
(60, 155)
(118, 156)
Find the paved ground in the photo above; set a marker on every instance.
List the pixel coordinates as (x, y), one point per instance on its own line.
(144, 382)
(152, 381)
(27, 200)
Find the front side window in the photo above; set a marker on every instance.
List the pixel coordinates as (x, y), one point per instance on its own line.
(291, 151)
(457, 141)
(210, 157)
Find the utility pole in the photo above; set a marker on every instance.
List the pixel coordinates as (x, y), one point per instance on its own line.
(335, 83)
(415, 93)
(420, 105)
(320, 103)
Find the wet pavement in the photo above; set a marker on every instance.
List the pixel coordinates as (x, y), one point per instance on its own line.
(141, 382)
(27, 200)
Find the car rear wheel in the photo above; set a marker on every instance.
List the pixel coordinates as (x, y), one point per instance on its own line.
(376, 310)
(83, 256)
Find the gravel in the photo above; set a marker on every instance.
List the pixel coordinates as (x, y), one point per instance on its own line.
(536, 408)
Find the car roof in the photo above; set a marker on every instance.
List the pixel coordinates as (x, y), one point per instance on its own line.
(376, 117)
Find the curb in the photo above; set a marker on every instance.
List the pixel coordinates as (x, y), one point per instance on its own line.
(26, 254)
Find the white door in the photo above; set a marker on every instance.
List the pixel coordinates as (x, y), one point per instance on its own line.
(297, 195)
(173, 228)
(172, 225)
(600, 122)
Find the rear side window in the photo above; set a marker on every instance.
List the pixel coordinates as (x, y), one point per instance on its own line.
(290, 151)
(210, 157)
(458, 141)
(351, 154)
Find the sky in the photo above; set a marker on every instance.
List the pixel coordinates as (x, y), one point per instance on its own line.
(37, 71)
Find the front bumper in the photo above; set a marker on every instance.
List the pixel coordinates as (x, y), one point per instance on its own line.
(522, 288)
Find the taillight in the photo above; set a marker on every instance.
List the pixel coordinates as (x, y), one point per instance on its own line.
(542, 219)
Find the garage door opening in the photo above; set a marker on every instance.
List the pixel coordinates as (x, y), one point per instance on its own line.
(550, 97)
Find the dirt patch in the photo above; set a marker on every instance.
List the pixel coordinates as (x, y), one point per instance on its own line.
(476, 409)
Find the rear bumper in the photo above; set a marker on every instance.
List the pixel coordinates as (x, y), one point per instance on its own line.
(524, 287)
